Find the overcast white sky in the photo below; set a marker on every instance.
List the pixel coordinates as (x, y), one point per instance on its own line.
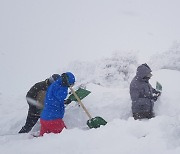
(51, 33)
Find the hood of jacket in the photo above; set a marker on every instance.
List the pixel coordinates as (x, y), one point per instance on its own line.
(71, 78)
(142, 71)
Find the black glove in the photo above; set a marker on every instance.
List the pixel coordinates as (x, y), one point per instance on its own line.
(154, 98)
(67, 101)
(158, 93)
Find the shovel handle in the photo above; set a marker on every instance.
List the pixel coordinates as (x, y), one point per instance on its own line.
(80, 103)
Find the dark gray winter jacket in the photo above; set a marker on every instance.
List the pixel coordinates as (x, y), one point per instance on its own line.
(141, 91)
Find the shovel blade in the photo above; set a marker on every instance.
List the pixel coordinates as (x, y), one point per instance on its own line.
(96, 122)
(158, 86)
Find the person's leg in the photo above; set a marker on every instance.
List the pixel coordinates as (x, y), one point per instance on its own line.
(44, 127)
(150, 115)
(51, 126)
(57, 126)
(142, 115)
(136, 116)
(32, 118)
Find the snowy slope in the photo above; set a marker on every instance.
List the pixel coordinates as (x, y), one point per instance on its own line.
(39, 38)
(122, 134)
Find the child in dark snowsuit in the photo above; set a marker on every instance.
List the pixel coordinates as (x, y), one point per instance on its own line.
(35, 99)
(142, 94)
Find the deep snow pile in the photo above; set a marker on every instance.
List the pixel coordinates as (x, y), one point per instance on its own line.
(109, 99)
(114, 71)
(167, 60)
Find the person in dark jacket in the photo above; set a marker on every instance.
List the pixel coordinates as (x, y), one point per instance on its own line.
(53, 112)
(143, 95)
(35, 99)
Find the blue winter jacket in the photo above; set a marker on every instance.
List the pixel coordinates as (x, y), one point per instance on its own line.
(54, 100)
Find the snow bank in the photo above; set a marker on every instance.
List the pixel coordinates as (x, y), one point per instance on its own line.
(109, 98)
(167, 60)
(115, 71)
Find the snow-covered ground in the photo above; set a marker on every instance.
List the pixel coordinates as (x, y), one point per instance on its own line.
(122, 134)
(39, 38)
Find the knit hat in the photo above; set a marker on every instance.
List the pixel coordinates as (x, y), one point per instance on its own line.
(53, 78)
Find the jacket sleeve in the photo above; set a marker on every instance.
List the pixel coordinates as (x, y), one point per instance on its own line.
(155, 91)
(60, 94)
(148, 91)
(139, 96)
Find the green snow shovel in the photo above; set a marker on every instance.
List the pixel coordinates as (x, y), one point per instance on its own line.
(81, 93)
(92, 122)
(158, 86)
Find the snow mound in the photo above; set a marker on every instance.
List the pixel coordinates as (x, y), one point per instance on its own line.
(110, 100)
(167, 60)
(115, 71)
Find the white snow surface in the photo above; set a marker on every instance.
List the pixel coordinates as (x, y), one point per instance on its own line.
(122, 134)
(39, 38)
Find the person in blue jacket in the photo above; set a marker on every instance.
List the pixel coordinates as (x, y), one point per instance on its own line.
(53, 112)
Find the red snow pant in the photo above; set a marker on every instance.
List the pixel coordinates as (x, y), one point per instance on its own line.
(51, 126)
